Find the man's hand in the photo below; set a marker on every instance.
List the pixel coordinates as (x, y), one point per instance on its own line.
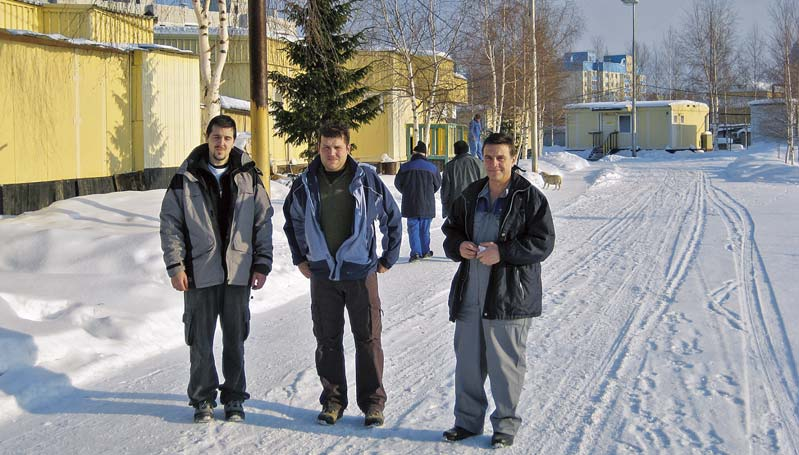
(180, 282)
(489, 254)
(305, 269)
(381, 268)
(257, 281)
(468, 250)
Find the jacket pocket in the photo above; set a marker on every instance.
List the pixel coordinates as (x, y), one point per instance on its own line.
(246, 324)
(188, 329)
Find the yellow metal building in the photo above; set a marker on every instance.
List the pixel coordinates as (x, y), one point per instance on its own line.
(89, 110)
(669, 124)
(85, 21)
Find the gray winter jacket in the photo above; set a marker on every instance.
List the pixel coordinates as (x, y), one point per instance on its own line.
(190, 235)
(458, 174)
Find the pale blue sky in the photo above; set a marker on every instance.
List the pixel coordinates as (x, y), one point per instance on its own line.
(612, 20)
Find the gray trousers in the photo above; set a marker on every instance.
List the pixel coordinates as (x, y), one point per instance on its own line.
(493, 348)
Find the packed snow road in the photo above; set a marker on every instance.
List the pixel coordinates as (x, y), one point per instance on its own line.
(664, 331)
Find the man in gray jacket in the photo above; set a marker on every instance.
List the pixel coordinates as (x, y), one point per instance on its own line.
(458, 174)
(216, 235)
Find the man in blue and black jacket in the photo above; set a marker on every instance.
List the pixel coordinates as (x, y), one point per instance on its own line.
(330, 214)
(418, 180)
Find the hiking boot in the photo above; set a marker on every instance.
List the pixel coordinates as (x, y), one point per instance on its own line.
(374, 418)
(331, 412)
(457, 433)
(501, 440)
(414, 257)
(204, 411)
(234, 411)
(429, 254)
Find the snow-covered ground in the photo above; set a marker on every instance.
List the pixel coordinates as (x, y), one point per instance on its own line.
(668, 326)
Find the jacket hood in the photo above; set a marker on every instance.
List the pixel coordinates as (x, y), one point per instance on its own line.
(198, 159)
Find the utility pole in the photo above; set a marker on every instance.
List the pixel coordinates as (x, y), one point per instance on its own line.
(259, 111)
(635, 80)
(534, 103)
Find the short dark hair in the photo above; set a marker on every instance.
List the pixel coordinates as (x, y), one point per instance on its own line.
(335, 130)
(501, 139)
(222, 121)
(461, 147)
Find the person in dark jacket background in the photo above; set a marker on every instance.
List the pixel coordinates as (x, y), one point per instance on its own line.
(330, 215)
(500, 230)
(216, 235)
(458, 173)
(418, 180)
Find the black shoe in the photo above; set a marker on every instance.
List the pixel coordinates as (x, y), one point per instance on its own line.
(331, 412)
(234, 411)
(500, 440)
(429, 254)
(414, 258)
(204, 411)
(374, 418)
(457, 433)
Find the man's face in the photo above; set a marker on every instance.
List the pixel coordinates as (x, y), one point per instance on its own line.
(220, 143)
(333, 151)
(498, 162)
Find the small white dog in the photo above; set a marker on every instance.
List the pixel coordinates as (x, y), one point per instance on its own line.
(551, 179)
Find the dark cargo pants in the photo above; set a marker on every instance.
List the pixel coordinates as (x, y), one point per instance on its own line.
(202, 308)
(361, 299)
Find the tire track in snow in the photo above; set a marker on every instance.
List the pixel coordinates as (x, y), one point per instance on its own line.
(567, 414)
(765, 342)
(649, 315)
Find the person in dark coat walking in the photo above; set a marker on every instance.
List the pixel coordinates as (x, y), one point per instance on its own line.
(418, 180)
(499, 230)
(216, 235)
(458, 174)
(330, 215)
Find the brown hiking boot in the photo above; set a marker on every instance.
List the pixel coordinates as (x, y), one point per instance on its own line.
(374, 418)
(331, 412)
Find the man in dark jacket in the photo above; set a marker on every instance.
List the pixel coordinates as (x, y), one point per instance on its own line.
(330, 214)
(216, 235)
(499, 229)
(459, 173)
(418, 180)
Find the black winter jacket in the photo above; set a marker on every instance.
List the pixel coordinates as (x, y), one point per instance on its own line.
(418, 180)
(526, 238)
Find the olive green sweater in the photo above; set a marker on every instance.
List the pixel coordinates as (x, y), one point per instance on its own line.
(336, 207)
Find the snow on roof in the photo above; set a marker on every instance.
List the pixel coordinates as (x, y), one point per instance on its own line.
(123, 47)
(611, 105)
(419, 52)
(767, 101)
(234, 103)
(192, 29)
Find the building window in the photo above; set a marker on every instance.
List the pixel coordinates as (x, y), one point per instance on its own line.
(624, 124)
(674, 120)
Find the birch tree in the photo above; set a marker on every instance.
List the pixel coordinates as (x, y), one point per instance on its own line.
(706, 45)
(784, 16)
(211, 74)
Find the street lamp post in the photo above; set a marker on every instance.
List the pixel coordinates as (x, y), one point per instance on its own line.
(634, 115)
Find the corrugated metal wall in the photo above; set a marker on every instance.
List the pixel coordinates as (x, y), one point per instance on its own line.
(19, 16)
(170, 107)
(70, 110)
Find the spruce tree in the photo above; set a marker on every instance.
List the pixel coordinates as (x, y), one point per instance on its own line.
(323, 90)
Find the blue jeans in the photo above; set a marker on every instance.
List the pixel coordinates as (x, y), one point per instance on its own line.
(476, 147)
(419, 235)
